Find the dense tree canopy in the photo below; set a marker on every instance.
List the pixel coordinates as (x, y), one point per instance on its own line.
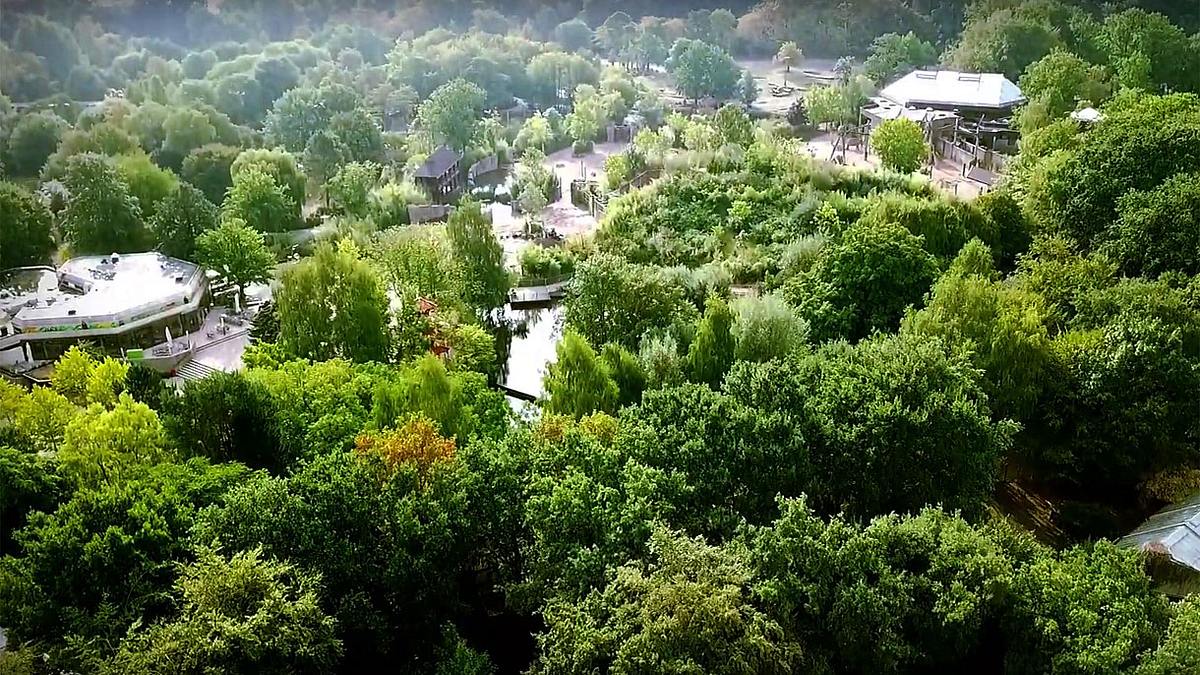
(25, 224)
(863, 282)
(333, 305)
(792, 416)
(102, 214)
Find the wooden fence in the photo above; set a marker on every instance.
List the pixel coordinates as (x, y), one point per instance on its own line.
(430, 212)
(969, 154)
(485, 165)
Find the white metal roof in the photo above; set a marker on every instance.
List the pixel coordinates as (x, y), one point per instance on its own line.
(1173, 532)
(953, 89)
(99, 290)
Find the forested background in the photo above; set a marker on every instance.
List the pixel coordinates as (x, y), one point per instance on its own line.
(832, 475)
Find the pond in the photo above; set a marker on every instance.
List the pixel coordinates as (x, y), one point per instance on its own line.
(530, 336)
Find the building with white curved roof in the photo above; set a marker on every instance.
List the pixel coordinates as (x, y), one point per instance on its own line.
(115, 302)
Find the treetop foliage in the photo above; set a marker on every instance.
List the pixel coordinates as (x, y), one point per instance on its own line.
(798, 417)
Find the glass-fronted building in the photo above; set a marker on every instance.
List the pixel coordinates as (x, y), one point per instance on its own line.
(116, 302)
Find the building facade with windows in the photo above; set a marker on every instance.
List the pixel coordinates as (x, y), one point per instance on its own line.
(116, 303)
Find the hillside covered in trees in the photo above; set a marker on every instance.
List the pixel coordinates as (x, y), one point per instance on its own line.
(801, 417)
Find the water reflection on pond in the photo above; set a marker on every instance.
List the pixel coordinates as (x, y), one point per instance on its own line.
(527, 346)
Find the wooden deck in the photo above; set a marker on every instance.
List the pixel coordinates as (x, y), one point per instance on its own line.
(536, 296)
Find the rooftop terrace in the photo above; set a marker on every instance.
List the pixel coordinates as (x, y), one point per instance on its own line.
(96, 291)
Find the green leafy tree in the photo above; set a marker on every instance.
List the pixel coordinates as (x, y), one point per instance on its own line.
(23, 75)
(944, 225)
(700, 436)
(626, 371)
(766, 328)
(1157, 230)
(324, 154)
(837, 104)
(39, 420)
(180, 218)
(535, 133)
(914, 400)
(901, 145)
(451, 113)
(893, 54)
(333, 305)
(357, 132)
(1004, 327)
(712, 352)
(1003, 41)
(554, 75)
(101, 215)
(573, 35)
(589, 505)
(532, 199)
(105, 558)
(598, 304)
(304, 111)
(226, 417)
(419, 261)
(474, 243)
(197, 64)
(24, 228)
(734, 125)
(615, 34)
(1144, 141)
(789, 55)
(472, 348)
(237, 251)
(104, 446)
(1177, 652)
(350, 188)
(1113, 410)
(208, 169)
(148, 183)
(634, 622)
(862, 283)
(32, 141)
(240, 614)
(389, 582)
(1060, 80)
(72, 372)
(280, 165)
(724, 28)
(702, 70)
(107, 382)
(831, 581)
(578, 383)
(661, 360)
(747, 90)
(257, 200)
(648, 49)
(30, 484)
(588, 115)
(51, 41)
(104, 138)
(1146, 50)
(186, 129)
(86, 83)
(1067, 621)
(275, 76)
